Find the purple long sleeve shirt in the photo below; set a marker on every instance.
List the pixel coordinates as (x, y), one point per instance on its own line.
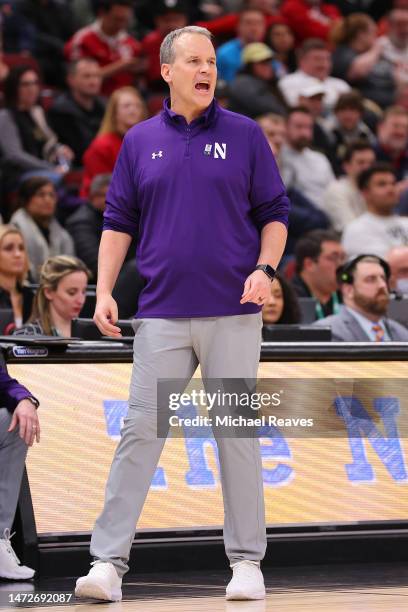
(196, 196)
(11, 391)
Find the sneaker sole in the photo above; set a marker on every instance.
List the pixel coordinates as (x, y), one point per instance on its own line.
(240, 596)
(96, 591)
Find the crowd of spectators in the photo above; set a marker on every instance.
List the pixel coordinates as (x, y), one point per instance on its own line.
(326, 81)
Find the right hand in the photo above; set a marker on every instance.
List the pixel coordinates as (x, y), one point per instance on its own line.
(106, 315)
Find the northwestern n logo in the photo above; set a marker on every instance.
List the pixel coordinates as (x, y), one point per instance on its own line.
(220, 150)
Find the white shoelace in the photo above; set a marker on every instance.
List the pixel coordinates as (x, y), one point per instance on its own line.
(7, 537)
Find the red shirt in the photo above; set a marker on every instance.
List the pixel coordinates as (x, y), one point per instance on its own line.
(151, 49)
(227, 25)
(309, 21)
(100, 158)
(92, 42)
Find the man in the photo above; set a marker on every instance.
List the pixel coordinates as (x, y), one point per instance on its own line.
(311, 98)
(209, 207)
(318, 255)
(303, 169)
(310, 18)
(397, 259)
(85, 224)
(314, 63)
(251, 28)
(169, 15)
(379, 229)
(395, 43)
(364, 287)
(108, 42)
(392, 143)
(303, 216)
(343, 201)
(19, 428)
(254, 91)
(76, 115)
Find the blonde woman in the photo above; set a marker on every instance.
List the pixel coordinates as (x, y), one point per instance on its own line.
(14, 267)
(60, 297)
(125, 109)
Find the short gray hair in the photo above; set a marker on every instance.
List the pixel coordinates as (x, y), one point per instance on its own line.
(166, 48)
(99, 182)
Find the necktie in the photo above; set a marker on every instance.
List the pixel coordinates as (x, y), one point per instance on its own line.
(379, 332)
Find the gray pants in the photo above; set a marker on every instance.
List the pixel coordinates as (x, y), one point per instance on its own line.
(13, 451)
(227, 347)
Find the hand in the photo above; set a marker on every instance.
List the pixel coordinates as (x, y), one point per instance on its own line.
(26, 415)
(66, 151)
(106, 315)
(257, 288)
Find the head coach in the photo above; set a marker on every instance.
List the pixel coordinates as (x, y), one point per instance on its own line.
(199, 188)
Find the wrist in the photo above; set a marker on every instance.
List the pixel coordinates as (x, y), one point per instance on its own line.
(267, 269)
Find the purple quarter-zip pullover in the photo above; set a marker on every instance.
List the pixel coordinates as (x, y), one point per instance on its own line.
(196, 196)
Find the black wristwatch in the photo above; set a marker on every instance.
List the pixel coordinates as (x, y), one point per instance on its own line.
(269, 271)
(33, 400)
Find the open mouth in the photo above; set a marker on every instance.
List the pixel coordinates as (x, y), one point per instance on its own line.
(202, 86)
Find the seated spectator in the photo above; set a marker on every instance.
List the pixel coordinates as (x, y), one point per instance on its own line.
(76, 115)
(14, 266)
(251, 28)
(85, 224)
(314, 64)
(318, 255)
(346, 125)
(343, 201)
(395, 43)
(282, 306)
(168, 16)
(397, 259)
(310, 18)
(59, 299)
(358, 58)
(392, 143)
(281, 40)
(18, 35)
(379, 229)
(28, 143)
(53, 22)
(303, 169)
(19, 429)
(303, 215)
(311, 98)
(254, 91)
(108, 41)
(125, 109)
(43, 235)
(364, 287)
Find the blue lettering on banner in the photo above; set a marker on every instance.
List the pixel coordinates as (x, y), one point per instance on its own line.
(278, 449)
(359, 423)
(115, 412)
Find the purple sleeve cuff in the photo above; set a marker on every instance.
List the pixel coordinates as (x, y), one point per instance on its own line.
(13, 394)
(278, 210)
(109, 224)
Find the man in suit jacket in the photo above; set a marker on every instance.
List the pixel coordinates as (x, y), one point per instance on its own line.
(364, 286)
(19, 428)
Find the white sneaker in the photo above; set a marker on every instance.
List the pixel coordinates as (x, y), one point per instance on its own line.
(247, 581)
(102, 582)
(10, 566)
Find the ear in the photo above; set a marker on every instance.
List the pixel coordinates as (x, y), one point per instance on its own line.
(308, 263)
(165, 72)
(49, 293)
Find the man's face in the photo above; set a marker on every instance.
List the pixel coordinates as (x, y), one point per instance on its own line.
(314, 104)
(193, 74)
(399, 27)
(369, 291)
(348, 118)
(275, 133)
(322, 271)
(86, 80)
(98, 199)
(251, 27)
(381, 193)
(360, 160)
(317, 63)
(118, 18)
(300, 130)
(263, 70)
(170, 21)
(393, 132)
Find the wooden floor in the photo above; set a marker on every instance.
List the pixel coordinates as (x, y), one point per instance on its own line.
(336, 588)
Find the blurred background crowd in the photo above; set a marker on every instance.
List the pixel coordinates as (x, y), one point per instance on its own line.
(326, 81)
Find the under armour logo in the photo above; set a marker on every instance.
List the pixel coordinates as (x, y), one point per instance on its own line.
(159, 154)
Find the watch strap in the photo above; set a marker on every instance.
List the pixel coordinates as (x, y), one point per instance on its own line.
(269, 271)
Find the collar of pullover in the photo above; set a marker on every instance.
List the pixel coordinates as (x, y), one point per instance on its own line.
(207, 118)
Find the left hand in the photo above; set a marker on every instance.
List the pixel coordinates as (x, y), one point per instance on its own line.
(26, 416)
(257, 288)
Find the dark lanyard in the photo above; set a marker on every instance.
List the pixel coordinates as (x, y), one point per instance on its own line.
(336, 306)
